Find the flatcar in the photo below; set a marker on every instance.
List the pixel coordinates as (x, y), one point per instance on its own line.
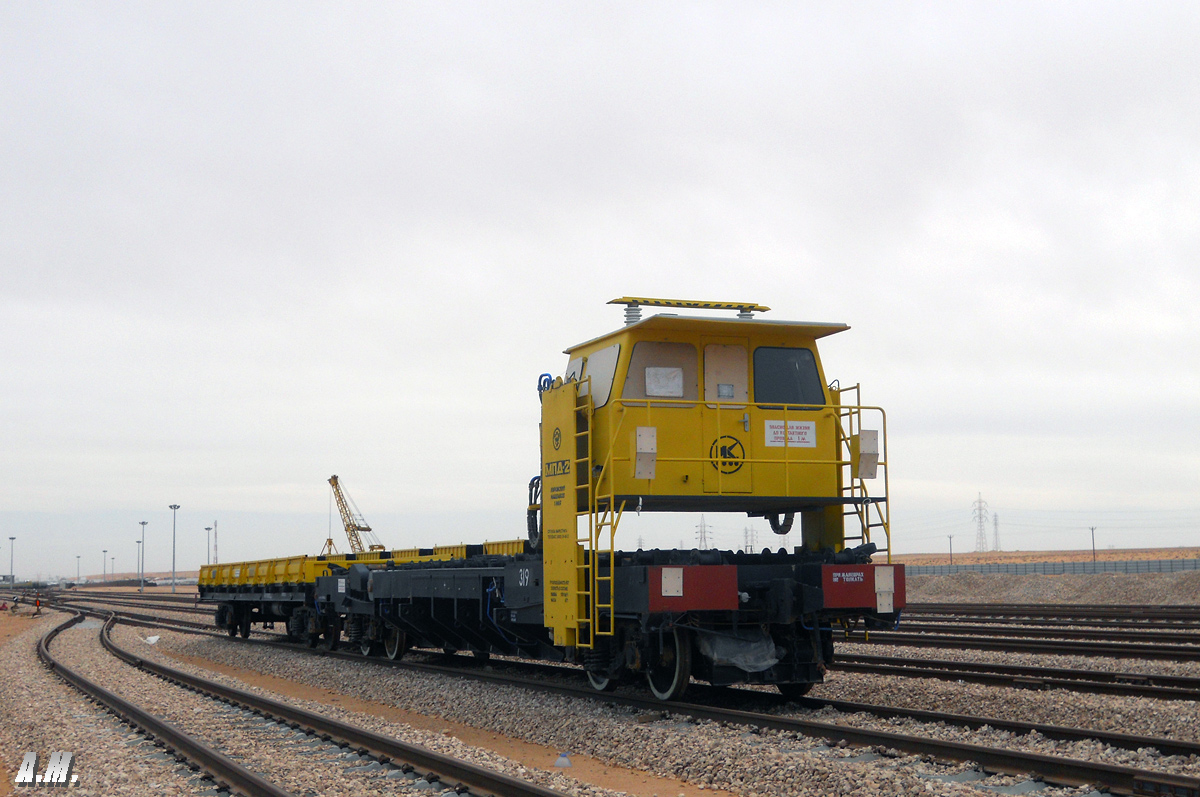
(674, 412)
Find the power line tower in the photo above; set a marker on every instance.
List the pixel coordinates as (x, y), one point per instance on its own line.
(979, 510)
(640, 543)
(995, 531)
(702, 535)
(749, 539)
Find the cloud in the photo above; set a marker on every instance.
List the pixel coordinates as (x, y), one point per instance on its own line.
(245, 247)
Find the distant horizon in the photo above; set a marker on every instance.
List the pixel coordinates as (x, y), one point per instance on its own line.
(965, 556)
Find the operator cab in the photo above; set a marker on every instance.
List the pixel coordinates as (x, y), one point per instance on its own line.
(685, 413)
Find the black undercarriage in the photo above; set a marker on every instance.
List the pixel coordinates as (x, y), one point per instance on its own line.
(746, 618)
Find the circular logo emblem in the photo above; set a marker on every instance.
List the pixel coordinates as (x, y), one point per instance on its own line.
(557, 438)
(727, 454)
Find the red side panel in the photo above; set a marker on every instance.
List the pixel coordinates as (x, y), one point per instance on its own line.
(861, 587)
(693, 588)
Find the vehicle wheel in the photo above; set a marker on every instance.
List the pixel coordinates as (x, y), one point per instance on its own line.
(393, 643)
(671, 666)
(244, 625)
(367, 646)
(794, 691)
(232, 628)
(601, 683)
(313, 638)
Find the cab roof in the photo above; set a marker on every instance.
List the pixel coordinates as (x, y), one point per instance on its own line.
(721, 326)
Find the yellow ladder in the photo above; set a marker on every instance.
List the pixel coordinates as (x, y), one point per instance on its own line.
(595, 615)
(585, 571)
(602, 517)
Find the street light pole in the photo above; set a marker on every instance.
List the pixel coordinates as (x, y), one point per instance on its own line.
(951, 536)
(104, 566)
(139, 556)
(1093, 528)
(76, 568)
(174, 508)
(12, 579)
(142, 567)
(207, 545)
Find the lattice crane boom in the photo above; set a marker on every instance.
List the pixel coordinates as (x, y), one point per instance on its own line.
(353, 520)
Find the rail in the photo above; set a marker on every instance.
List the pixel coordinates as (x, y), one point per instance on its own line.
(1013, 645)
(228, 773)
(1125, 684)
(1063, 771)
(1054, 769)
(384, 747)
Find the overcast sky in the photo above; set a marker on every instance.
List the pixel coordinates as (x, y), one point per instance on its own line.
(247, 246)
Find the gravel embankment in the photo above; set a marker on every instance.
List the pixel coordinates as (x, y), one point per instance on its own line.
(1148, 589)
(734, 758)
(44, 714)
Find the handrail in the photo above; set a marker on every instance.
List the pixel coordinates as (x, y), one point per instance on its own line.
(847, 420)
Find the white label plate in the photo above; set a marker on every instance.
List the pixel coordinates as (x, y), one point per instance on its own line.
(800, 434)
(672, 582)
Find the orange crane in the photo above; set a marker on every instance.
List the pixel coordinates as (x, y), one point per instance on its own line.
(353, 520)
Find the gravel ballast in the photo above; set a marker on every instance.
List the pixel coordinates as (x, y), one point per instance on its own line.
(44, 714)
(745, 761)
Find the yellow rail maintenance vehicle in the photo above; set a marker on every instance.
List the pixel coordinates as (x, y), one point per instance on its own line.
(670, 413)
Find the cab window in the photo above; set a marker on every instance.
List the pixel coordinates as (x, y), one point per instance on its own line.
(574, 370)
(658, 369)
(601, 366)
(786, 376)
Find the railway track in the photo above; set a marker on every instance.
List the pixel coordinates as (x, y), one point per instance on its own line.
(1054, 769)
(1120, 650)
(74, 600)
(1167, 687)
(1057, 610)
(384, 749)
(405, 759)
(161, 597)
(960, 627)
(1128, 684)
(228, 774)
(1048, 622)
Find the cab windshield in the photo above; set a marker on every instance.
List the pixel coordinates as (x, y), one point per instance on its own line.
(786, 376)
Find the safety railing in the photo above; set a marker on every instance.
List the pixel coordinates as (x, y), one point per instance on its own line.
(791, 424)
(871, 513)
